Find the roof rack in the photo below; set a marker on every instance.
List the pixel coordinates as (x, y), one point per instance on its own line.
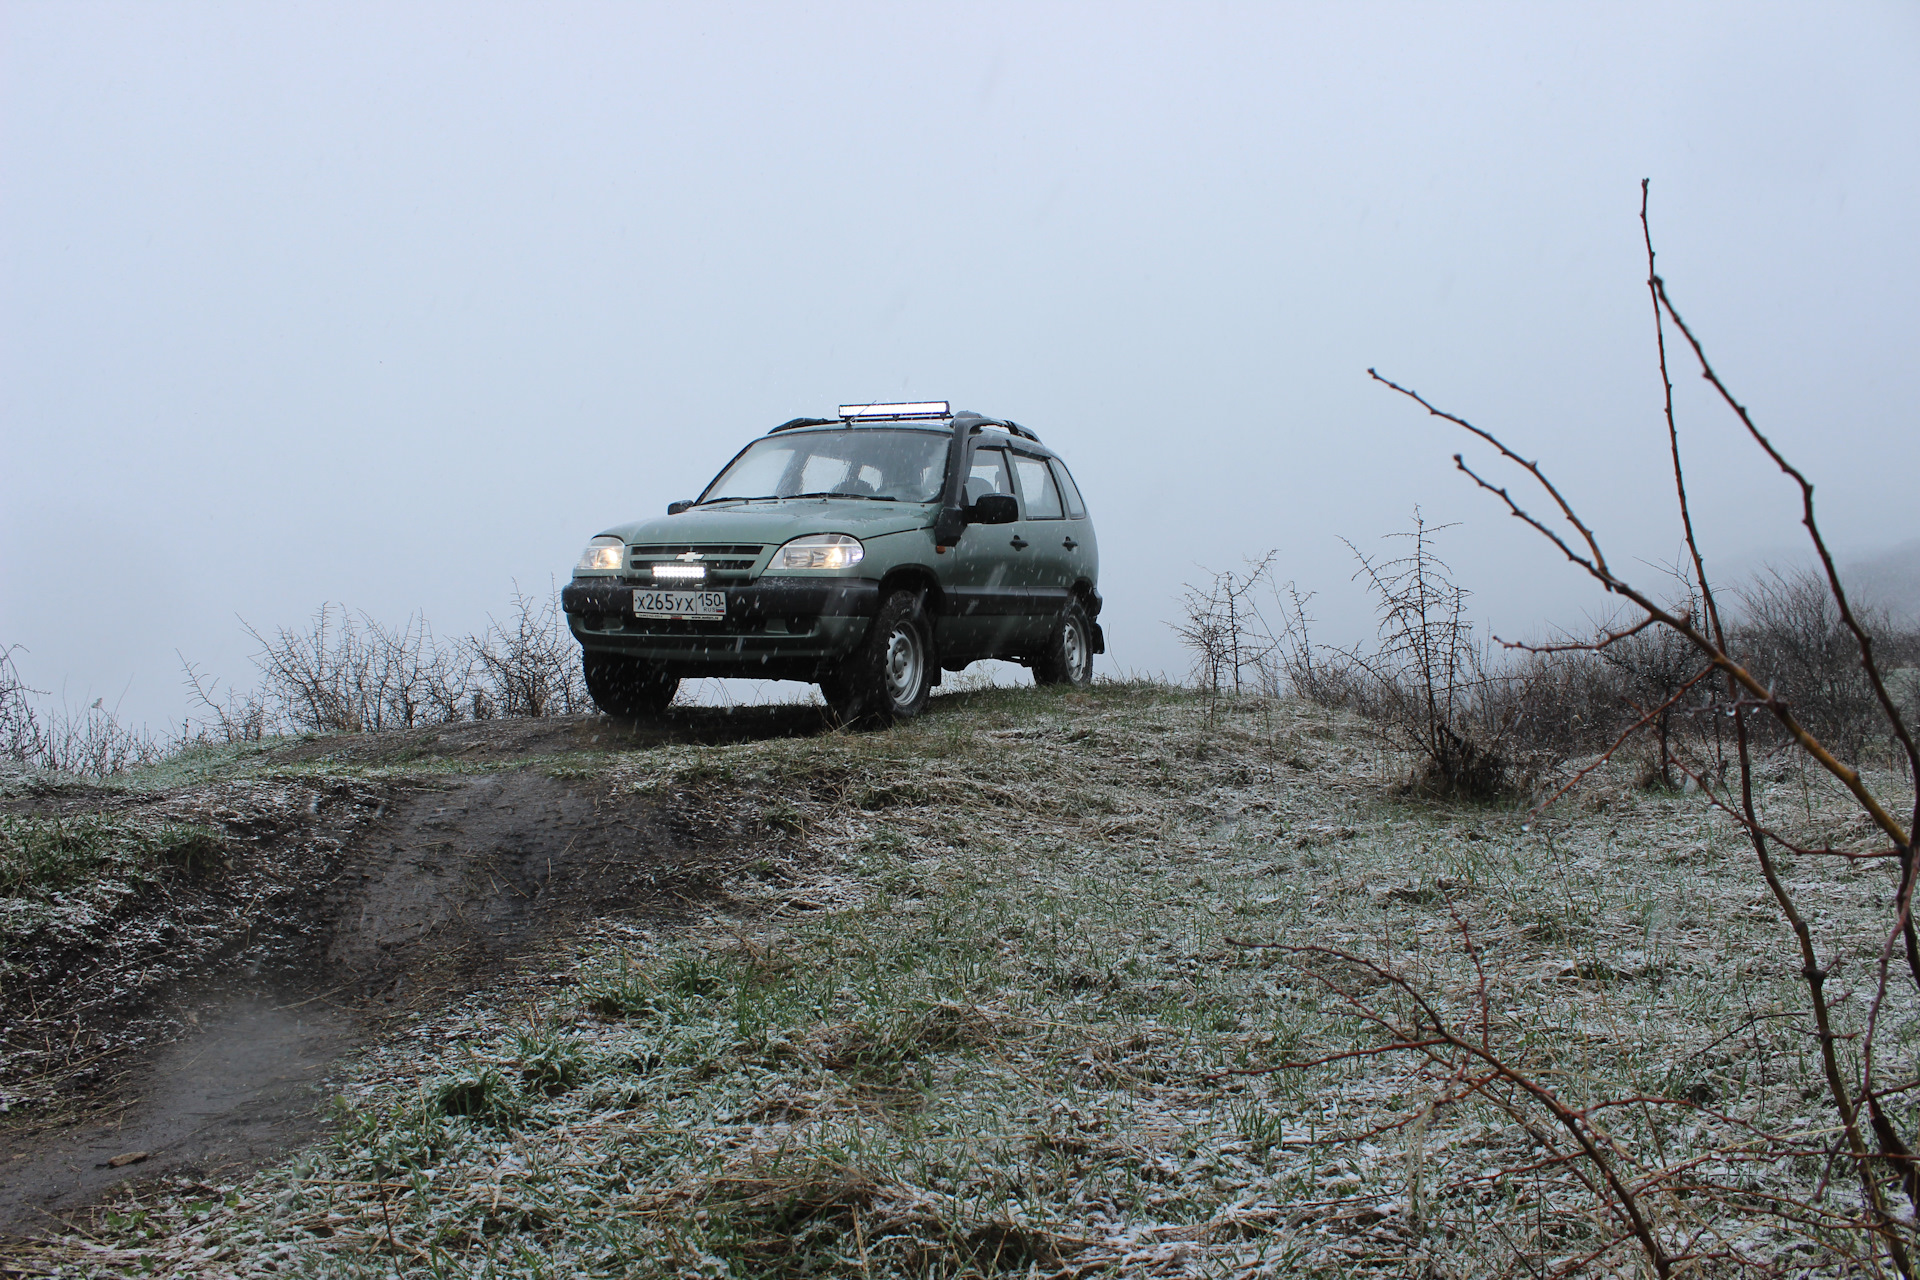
(1007, 425)
(918, 410)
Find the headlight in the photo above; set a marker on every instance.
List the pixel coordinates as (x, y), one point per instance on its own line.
(819, 551)
(603, 552)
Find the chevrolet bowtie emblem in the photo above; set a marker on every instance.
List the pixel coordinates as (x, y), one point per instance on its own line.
(689, 555)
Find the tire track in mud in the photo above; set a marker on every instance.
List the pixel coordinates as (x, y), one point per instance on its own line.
(438, 895)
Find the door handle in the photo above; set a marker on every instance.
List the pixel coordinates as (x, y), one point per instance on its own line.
(1019, 543)
(1069, 544)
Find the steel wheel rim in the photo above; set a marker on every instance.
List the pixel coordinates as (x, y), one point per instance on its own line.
(904, 662)
(1073, 647)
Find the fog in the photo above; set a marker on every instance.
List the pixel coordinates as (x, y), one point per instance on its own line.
(398, 305)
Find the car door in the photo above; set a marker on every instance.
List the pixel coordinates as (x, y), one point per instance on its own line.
(1083, 551)
(1048, 561)
(985, 613)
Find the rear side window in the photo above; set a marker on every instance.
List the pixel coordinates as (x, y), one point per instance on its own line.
(1076, 509)
(1036, 486)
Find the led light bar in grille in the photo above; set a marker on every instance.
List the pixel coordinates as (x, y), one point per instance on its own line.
(680, 572)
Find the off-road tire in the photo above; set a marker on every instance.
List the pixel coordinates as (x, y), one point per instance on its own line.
(1068, 657)
(624, 686)
(889, 677)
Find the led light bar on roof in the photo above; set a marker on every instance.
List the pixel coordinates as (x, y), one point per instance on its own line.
(913, 409)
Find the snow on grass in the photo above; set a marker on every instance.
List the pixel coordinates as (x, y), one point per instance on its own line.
(999, 1022)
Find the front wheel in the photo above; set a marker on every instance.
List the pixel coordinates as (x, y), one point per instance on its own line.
(628, 687)
(1068, 657)
(889, 676)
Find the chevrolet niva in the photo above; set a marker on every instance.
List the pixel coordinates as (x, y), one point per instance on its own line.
(866, 553)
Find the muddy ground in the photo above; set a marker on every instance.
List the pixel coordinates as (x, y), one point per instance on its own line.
(187, 1028)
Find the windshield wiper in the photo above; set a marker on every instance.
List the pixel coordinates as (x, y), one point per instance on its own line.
(789, 497)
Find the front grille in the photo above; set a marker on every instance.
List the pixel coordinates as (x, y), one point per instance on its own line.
(725, 562)
(740, 565)
(655, 551)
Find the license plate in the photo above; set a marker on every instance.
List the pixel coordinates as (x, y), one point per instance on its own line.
(679, 604)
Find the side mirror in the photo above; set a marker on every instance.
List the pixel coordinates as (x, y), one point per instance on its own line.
(675, 508)
(994, 508)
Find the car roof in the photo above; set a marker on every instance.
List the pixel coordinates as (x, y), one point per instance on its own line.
(1022, 437)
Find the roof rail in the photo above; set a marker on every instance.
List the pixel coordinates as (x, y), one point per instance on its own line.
(792, 423)
(1005, 424)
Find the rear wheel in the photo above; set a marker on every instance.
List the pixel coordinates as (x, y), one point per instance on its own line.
(1068, 658)
(889, 676)
(624, 686)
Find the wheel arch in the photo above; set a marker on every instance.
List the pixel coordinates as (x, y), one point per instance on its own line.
(933, 601)
(915, 577)
(1088, 595)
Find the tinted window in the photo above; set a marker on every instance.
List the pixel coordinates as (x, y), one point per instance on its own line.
(1071, 491)
(1036, 485)
(989, 474)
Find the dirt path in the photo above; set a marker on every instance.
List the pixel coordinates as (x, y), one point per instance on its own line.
(433, 892)
(221, 1099)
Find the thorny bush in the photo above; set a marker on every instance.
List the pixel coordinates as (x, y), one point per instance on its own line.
(346, 672)
(1428, 685)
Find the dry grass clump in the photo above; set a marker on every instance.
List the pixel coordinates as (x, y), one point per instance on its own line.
(1008, 1026)
(41, 857)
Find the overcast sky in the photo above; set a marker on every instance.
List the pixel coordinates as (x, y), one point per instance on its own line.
(396, 305)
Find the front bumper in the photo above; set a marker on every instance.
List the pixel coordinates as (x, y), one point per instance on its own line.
(746, 602)
(779, 628)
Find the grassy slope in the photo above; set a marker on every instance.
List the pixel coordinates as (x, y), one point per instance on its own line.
(985, 1038)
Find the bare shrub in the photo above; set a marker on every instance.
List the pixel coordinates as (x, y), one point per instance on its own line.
(1790, 633)
(233, 717)
(20, 736)
(1551, 705)
(91, 743)
(1429, 686)
(347, 673)
(95, 744)
(1307, 673)
(1234, 650)
(529, 666)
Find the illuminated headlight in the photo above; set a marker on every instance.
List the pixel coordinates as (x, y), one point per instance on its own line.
(679, 572)
(603, 552)
(819, 551)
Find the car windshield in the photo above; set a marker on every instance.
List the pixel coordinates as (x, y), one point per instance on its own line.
(865, 462)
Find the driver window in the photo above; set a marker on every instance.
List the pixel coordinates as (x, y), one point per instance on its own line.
(1036, 483)
(989, 474)
(822, 474)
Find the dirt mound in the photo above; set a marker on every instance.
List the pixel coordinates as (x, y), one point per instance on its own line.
(188, 1020)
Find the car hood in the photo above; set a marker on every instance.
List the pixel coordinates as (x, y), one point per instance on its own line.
(774, 522)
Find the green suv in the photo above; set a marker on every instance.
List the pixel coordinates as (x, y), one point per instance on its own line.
(867, 553)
